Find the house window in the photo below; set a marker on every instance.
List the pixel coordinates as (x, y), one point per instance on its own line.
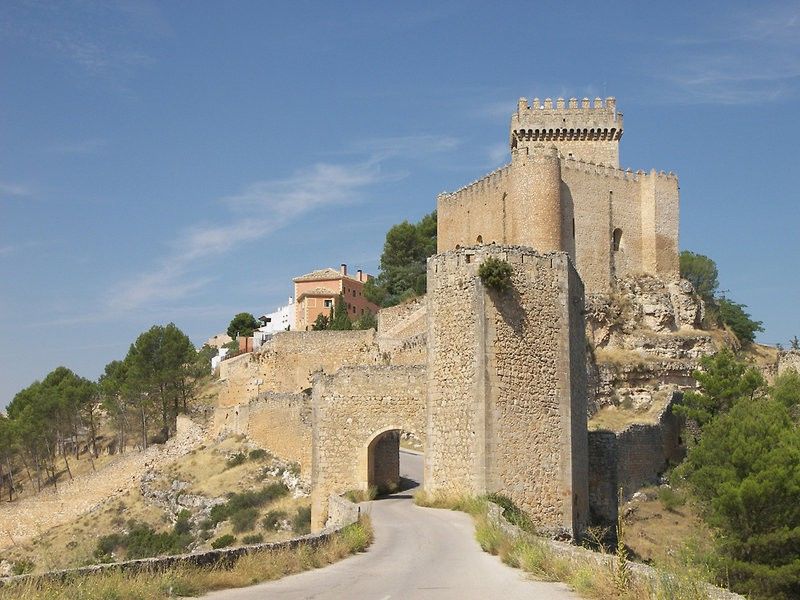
(616, 239)
(354, 309)
(479, 240)
(328, 303)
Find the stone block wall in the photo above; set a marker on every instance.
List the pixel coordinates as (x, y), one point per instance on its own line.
(278, 422)
(507, 384)
(287, 362)
(603, 484)
(350, 409)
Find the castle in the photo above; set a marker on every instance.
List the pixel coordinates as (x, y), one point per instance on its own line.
(492, 384)
(564, 191)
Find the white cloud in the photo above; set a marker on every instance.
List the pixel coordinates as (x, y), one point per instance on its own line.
(16, 190)
(750, 57)
(260, 209)
(88, 146)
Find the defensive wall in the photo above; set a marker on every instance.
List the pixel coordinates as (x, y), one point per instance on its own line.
(286, 363)
(630, 459)
(564, 190)
(356, 413)
(506, 403)
(277, 421)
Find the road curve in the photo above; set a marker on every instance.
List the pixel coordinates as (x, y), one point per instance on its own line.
(418, 553)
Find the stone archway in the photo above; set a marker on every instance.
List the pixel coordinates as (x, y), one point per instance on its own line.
(357, 415)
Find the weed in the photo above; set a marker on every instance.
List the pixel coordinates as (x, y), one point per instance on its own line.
(255, 538)
(236, 460)
(244, 519)
(223, 541)
(259, 454)
(273, 519)
(301, 522)
(671, 498)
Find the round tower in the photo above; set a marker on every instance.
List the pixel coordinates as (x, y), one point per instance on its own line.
(534, 215)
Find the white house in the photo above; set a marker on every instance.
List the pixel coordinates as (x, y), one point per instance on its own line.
(282, 319)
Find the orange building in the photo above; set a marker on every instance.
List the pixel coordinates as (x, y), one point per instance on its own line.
(316, 294)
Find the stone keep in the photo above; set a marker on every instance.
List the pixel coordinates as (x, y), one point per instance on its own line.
(506, 377)
(564, 190)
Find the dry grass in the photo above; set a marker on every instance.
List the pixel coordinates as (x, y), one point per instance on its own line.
(616, 418)
(620, 356)
(193, 581)
(657, 535)
(761, 354)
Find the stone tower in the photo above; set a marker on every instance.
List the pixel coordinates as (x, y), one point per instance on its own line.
(506, 400)
(585, 132)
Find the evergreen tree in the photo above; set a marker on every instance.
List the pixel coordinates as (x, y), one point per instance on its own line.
(340, 320)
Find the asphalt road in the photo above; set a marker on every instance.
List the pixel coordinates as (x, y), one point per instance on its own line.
(418, 553)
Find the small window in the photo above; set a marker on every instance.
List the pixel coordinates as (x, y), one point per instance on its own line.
(616, 239)
(328, 303)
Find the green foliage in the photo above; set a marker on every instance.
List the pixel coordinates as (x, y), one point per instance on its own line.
(340, 321)
(22, 567)
(786, 389)
(244, 519)
(745, 473)
(182, 525)
(702, 272)
(242, 325)
(734, 316)
(622, 574)
(495, 274)
(142, 541)
(366, 321)
(223, 541)
(259, 454)
(403, 262)
(321, 323)
(237, 459)
(794, 343)
(511, 512)
(272, 519)
(723, 381)
(671, 498)
(301, 521)
(247, 500)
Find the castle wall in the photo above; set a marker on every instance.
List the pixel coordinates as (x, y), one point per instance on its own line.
(603, 485)
(278, 422)
(287, 362)
(506, 388)
(350, 409)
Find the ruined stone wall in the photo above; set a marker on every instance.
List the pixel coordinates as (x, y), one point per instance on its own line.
(631, 459)
(278, 422)
(287, 361)
(402, 333)
(603, 483)
(789, 359)
(506, 384)
(349, 410)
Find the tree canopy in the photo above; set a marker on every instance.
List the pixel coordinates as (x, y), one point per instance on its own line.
(243, 324)
(403, 271)
(702, 272)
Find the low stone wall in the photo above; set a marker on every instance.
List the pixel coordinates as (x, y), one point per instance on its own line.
(346, 513)
(605, 561)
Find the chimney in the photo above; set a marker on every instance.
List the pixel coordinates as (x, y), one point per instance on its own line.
(360, 275)
(343, 269)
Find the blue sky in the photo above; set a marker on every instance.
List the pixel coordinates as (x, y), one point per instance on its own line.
(182, 161)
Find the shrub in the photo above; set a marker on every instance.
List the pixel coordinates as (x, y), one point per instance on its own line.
(249, 499)
(495, 274)
(301, 522)
(273, 519)
(142, 541)
(512, 513)
(223, 541)
(671, 498)
(182, 524)
(22, 567)
(244, 519)
(236, 460)
(259, 454)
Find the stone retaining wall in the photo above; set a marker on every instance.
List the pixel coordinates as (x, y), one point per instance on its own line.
(346, 513)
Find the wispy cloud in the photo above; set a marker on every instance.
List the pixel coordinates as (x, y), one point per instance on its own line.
(260, 209)
(408, 146)
(103, 39)
(14, 190)
(749, 57)
(498, 154)
(88, 146)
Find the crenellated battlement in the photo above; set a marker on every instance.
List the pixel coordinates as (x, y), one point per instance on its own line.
(496, 178)
(610, 171)
(584, 129)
